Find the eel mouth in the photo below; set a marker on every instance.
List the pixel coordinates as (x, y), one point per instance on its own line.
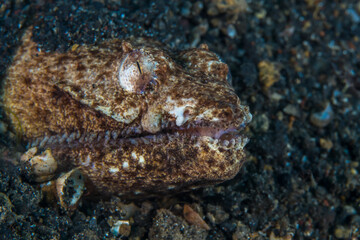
(226, 137)
(215, 133)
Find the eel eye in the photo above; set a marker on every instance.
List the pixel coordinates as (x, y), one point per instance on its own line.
(137, 73)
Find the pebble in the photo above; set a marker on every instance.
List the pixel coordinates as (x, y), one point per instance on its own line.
(231, 31)
(194, 218)
(269, 73)
(292, 110)
(260, 123)
(3, 127)
(248, 74)
(121, 228)
(186, 9)
(354, 15)
(325, 143)
(216, 214)
(6, 215)
(166, 225)
(323, 118)
(276, 97)
(197, 8)
(342, 232)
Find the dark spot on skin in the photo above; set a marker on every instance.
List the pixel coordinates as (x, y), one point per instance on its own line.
(98, 114)
(80, 75)
(222, 167)
(27, 81)
(108, 64)
(211, 161)
(80, 67)
(204, 80)
(206, 148)
(76, 88)
(58, 94)
(225, 114)
(94, 52)
(63, 58)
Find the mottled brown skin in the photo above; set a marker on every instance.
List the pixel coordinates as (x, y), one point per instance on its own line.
(136, 118)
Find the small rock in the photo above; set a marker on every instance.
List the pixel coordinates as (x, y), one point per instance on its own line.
(322, 119)
(121, 228)
(260, 123)
(6, 214)
(231, 31)
(185, 10)
(248, 73)
(276, 97)
(261, 14)
(342, 232)
(168, 226)
(292, 110)
(194, 218)
(3, 127)
(197, 8)
(269, 73)
(218, 214)
(86, 234)
(242, 232)
(326, 143)
(353, 15)
(229, 10)
(42, 166)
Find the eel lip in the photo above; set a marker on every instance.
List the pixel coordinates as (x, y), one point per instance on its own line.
(213, 132)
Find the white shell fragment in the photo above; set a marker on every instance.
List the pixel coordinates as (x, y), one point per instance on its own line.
(42, 166)
(121, 228)
(67, 189)
(70, 187)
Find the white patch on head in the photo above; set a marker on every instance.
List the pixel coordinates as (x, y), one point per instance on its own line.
(178, 112)
(121, 116)
(210, 63)
(177, 108)
(113, 170)
(115, 229)
(125, 165)
(105, 110)
(207, 115)
(141, 160)
(87, 161)
(212, 143)
(133, 155)
(127, 116)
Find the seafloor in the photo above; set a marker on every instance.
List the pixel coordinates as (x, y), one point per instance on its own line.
(295, 63)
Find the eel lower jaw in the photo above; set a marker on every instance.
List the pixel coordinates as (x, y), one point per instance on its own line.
(213, 132)
(226, 138)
